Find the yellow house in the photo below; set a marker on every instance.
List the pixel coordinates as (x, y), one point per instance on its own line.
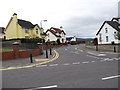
(18, 28)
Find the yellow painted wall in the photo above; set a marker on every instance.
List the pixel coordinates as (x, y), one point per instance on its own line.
(34, 31)
(11, 29)
(21, 32)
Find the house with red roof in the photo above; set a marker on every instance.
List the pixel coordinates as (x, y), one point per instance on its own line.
(54, 34)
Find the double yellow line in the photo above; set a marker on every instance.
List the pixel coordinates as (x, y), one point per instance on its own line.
(27, 66)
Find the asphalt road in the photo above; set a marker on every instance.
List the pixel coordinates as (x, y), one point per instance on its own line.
(75, 68)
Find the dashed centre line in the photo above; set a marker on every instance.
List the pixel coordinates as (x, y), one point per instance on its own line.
(53, 65)
(86, 62)
(66, 64)
(76, 63)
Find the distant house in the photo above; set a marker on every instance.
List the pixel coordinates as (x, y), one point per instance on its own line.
(54, 34)
(70, 39)
(2, 33)
(18, 28)
(106, 33)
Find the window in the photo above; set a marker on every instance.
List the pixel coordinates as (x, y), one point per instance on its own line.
(26, 31)
(106, 30)
(36, 31)
(107, 39)
(48, 35)
(27, 37)
(100, 37)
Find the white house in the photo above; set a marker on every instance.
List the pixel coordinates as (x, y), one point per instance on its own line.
(106, 33)
(55, 33)
(70, 39)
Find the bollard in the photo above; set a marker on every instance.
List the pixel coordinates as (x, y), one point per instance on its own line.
(31, 60)
(114, 49)
(50, 51)
(46, 53)
(96, 48)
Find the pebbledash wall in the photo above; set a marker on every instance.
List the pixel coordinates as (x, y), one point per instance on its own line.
(26, 53)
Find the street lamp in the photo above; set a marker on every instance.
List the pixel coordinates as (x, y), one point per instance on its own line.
(42, 32)
(41, 23)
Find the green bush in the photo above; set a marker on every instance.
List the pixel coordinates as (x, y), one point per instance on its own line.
(73, 43)
(53, 42)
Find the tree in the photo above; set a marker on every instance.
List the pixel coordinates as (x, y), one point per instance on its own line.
(117, 35)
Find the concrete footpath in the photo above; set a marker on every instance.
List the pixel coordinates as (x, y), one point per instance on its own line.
(27, 61)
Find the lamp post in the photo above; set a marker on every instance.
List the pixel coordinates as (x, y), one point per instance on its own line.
(42, 32)
(41, 23)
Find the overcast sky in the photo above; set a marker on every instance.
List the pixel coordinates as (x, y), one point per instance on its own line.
(81, 18)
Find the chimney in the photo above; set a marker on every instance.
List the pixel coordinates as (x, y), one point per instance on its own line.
(14, 14)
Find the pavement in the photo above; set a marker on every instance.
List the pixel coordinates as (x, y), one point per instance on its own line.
(22, 62)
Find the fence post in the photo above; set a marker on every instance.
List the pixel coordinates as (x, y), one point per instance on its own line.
(114, 49)
(16, 49)
(40, 46)
(46, 53)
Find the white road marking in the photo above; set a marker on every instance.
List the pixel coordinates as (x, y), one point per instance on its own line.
(110, 60)
(85, 62)
(110, 77)
(93, 56)
(92, 61)
(96, 54)
(101, 55)
(66, 49)
(76, 63)
(102, 60)
(41, 66)
(53, 65)
(116, 58)
(54, 86)
(66, 64)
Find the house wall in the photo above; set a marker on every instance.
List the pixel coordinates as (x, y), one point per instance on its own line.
(73, 39)
(50, 36)
(34, 31)
(63, 36)
(110, 35)
(11, 31)
(20, 31)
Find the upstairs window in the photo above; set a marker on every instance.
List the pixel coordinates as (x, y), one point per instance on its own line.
(36, 31)
(106, 30)
(26, 31)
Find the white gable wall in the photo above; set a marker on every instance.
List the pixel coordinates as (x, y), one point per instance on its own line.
(63, 38)
(50, 36)
(110, 35)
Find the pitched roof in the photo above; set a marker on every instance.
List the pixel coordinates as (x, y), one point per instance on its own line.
(55, 31)
(69, 38)
(2, 30)
(25, 24)
(113, 24)
(117, 18)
